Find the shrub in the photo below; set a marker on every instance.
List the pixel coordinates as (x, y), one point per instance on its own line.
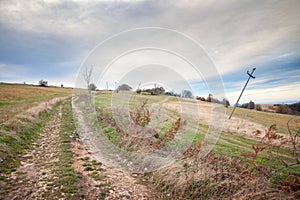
(251, 105)
(124, 87)
(258, 107)
(283, 108)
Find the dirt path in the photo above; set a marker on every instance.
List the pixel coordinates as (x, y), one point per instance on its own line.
(110, 184)
(34, 178)
(39, 175)
(118, 184)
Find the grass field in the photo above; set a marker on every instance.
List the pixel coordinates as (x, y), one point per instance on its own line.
(266, 118)
(239, 166)
(16, 98)
(18, 127)
(230, 145)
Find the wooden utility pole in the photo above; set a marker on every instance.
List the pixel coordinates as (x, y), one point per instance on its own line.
(250, 76)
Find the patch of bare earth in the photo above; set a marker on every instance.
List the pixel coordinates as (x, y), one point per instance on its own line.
(37, 173)
(111, 184)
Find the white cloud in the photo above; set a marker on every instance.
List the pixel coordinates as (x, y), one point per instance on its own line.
(279, 93)
(236, 34)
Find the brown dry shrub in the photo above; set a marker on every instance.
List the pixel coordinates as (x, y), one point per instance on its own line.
(194, 149)
(216, 177)
(141, 115)
(137, 126)
(291, 184)
(170, 135)
(284, 109)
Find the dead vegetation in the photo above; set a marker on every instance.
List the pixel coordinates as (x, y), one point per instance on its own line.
(217, 176)
(265, 170)
(257, 171)
(126, 138)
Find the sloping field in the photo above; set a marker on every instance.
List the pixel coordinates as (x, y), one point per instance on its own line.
(246, 128)
(252, 158)
(267, 118)
(16, 98)
(253, 141)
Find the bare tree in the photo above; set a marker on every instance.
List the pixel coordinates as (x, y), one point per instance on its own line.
(87, 76)
(294, 139)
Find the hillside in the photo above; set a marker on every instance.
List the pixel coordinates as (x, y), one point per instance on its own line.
(50, 149)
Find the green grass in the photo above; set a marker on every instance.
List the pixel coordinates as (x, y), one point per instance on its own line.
(67, 177)
(4, 103)
(96, 176)
(231, 145)
(229, 142)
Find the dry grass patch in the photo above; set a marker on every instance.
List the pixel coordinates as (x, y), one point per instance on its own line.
(16, 98)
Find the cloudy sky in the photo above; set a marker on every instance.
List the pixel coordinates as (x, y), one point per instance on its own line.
(51, 39)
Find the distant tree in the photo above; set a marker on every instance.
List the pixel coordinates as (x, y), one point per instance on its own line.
(251, 105)
(43, 83)
(92, 87)
(158, 91)
(187, 94)
(62, 85)
(124, 87)
(139, 91)
(295, 108)
(209, 98)
(87, 75)
(201, 98)
(244, 105)
(258, 107)
(226, 102)
(283, 108)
